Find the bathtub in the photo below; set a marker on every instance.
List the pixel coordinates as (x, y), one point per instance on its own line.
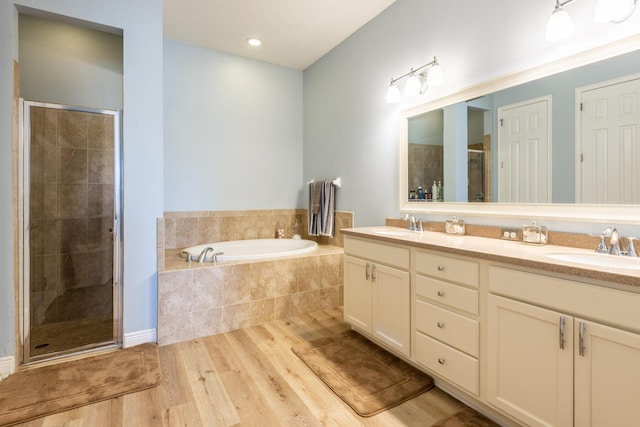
(240, 250)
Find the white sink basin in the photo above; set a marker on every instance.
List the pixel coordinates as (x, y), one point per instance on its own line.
(596, 259)
(397, 233)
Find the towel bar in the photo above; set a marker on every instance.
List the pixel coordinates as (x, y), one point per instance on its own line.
(337, 182)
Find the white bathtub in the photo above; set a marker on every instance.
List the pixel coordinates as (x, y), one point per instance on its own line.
(240, 250)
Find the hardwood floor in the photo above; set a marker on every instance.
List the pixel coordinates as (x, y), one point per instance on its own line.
(248, 377)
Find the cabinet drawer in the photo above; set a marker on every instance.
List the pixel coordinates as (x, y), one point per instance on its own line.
(447, 362)
(451, 328)
(451, 295)
(447, 268)
(612, 306)
(378, 252)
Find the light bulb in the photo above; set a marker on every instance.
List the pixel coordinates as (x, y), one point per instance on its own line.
(393, 94)
(413, 85)
(435, 75)
(612, 10)
(559, 26)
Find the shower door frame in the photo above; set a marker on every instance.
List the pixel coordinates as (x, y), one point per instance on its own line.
(24, 198)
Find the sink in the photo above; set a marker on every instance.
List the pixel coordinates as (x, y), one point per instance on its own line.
(397, 233)
(596, 260)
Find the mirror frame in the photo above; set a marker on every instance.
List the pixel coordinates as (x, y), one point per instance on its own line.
(624, 214)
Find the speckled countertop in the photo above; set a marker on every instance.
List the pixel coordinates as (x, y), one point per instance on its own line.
(504, 251)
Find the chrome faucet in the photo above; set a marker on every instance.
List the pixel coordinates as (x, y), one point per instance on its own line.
(614, 243)
(412, 221)
(203, 255)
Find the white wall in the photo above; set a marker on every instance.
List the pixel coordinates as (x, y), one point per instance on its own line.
(349, 130)
(141, 22)
(232, 132)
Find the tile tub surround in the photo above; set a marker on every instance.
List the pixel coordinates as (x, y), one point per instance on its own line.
(196, 301)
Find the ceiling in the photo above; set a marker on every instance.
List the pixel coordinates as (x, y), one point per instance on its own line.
(295, 33)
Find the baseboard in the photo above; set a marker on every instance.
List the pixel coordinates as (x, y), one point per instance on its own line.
(139, 337)
(7, 366)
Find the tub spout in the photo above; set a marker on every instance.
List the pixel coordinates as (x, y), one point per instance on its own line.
(203, 255)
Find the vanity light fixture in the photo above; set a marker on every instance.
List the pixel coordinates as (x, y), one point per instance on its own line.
(560, 25)
(416, 84)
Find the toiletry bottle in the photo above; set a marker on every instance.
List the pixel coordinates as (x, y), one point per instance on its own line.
(440, 192)
(434, 191)
(420, 195)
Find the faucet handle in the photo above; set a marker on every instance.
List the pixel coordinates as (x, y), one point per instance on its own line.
(631, 249)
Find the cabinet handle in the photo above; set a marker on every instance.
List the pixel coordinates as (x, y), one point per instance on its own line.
(366, 271)
(373, 272)
(581, 339)
(441, 361)
(441, 268)
(440, 293)
(440, 325)
(562, 333)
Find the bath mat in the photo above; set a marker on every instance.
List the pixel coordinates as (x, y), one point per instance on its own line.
(466, 418)
(369, 379)
(41, 391)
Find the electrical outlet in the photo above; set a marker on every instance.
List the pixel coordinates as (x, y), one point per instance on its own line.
(511, 234)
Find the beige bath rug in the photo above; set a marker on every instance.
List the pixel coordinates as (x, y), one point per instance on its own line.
(366, 377)
(41, 391)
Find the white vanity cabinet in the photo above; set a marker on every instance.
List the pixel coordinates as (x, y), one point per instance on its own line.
(447, 330)
(547, 365)
(377, 291)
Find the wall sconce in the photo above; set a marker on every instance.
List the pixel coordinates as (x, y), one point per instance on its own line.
(416, 84)
(560, 25)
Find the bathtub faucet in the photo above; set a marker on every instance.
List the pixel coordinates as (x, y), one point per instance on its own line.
(203, 255)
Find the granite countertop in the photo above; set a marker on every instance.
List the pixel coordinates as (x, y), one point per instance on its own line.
(516, 253)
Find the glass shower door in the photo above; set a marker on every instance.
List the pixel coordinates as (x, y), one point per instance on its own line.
(71, 246)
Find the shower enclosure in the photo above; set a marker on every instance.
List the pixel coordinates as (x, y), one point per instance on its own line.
(70, 182)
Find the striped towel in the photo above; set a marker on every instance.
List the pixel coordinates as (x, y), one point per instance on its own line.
(321, 223)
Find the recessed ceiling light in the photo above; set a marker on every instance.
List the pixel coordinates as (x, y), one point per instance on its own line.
(254, 42)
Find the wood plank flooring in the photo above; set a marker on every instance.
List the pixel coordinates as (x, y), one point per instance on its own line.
(248, 377)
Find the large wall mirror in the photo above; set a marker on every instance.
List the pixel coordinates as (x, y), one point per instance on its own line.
(532, 144)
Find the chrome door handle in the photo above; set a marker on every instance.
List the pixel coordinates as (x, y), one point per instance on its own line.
(561, 333)
(366, 272)
(581, 339)
(373, 272)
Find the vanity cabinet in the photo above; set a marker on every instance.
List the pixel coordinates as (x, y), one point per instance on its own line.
(446, 331)
(377, 291)
(550, 366)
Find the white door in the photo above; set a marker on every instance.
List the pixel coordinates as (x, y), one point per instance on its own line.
(607, 378)
(524, 152)
(391, 302)
(607, 142)
(530, 362)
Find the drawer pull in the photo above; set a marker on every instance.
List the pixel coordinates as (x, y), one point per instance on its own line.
(440, 293)
(441, 361)
(440, 325)
(366, 272)
(373, 272)
(441, 268)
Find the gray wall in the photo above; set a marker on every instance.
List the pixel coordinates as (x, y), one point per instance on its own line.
(68, 64)
(232, 132)
(141, 24)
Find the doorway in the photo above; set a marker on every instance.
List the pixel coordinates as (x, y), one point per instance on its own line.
(524, 152)
(70, 182)
(607, 147)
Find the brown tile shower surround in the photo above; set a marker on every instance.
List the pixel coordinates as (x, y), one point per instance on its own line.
(198, 300)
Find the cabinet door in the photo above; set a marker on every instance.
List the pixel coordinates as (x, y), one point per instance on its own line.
(530, 368)
(358, 293)
(391, 302)
(607, 376)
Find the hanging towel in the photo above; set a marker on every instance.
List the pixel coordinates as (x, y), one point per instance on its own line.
(322, 222)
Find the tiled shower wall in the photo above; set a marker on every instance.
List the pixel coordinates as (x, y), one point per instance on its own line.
(71, 173)
(197, 300)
